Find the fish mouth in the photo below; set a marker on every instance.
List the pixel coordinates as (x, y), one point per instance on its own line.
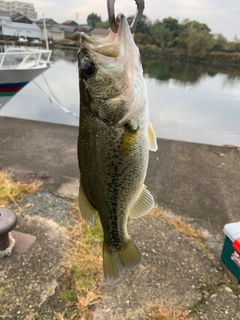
(113, 46)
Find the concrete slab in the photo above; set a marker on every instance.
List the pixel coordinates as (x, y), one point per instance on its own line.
(199, 183)
(27, 280)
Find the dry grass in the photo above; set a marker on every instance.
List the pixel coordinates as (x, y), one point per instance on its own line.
(13, 191)
(169, 312)
(84, 260)
(177, 223)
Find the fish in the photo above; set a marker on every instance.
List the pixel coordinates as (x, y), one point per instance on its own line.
(115, 136)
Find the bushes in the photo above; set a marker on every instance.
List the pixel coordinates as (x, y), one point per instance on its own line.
(150, 50)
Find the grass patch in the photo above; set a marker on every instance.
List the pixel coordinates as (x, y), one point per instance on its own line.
(67, 295)
(14, 191)
(84, 262)
(177, 223)
(169, 312)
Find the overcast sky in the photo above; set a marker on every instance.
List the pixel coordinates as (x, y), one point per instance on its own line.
(222, 16)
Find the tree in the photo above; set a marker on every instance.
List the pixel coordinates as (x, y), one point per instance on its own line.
(143, 26)
(93, 19)
(235, 44)
(172, 25)
(221, 42)
(199, 42)
(103, 24)
(162, 35)
(191, 29)
(195, 26)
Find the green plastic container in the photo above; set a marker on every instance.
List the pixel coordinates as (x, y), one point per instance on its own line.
(231, 248)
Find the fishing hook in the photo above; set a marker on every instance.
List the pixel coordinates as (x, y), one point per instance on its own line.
(113, 20)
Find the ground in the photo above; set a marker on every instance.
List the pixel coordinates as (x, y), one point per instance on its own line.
(198, 184)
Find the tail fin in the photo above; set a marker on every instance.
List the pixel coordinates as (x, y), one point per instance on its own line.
(114, 262)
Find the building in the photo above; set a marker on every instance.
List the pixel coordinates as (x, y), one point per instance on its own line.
(25, 8)
(48, 21)
(70, 23)
(18, 17)
(100, 33)
(54, 30)
(9, 28)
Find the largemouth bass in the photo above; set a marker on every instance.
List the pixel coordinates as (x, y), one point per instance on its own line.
(114, 141)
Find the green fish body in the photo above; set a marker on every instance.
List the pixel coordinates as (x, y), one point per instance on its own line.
(114, 141)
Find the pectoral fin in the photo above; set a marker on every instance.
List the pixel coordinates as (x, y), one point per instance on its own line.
(88, 212)
(143, 204)
(152, 138)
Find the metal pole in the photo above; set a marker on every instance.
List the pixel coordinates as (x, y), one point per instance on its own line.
(45, 32)
(8, 221)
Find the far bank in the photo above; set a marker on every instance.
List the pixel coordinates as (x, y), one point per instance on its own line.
(220, 58)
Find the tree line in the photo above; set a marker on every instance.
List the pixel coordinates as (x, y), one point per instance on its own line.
(190, 35)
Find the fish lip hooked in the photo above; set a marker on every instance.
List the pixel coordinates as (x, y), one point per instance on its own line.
(114, 22)
(95, 44)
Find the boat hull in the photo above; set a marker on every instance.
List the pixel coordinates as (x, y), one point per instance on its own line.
(12, 81)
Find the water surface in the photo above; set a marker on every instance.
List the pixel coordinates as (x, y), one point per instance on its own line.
(189, 102)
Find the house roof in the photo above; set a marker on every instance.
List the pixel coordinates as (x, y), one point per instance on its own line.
(70, 22)
(6, 21)
(85, 26)
(18, 17)
(67, 28)
(103, 32)
(47, 20)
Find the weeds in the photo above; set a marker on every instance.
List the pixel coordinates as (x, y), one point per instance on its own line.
(177, 222)
(167, 313)
(13, 191)
(84, 261)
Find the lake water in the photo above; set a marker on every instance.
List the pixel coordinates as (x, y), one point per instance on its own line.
(187, 102)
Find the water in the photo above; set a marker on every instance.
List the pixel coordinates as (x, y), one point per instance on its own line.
(188, 102)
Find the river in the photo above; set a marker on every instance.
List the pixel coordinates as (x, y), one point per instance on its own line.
(189, 102)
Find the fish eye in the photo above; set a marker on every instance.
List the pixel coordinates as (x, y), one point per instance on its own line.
(88, 68)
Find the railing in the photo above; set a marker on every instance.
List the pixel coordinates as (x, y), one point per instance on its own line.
(29, 57)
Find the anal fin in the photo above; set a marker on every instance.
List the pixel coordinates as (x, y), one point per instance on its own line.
(143, 204)
(87, 211)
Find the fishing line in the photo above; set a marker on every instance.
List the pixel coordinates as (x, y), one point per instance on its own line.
(56, 101)
(50, 88)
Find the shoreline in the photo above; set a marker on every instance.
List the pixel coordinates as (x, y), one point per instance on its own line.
(213, 58)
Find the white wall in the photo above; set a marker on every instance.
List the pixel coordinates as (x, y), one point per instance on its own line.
(10, 28)
(20, 32)
(54, 33)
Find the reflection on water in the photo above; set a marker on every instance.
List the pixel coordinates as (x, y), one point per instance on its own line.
(190, 102)
(186, 73)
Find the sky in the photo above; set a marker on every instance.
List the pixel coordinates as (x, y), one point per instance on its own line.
(221, 16)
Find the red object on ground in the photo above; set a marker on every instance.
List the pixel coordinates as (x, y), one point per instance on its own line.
(236, 245)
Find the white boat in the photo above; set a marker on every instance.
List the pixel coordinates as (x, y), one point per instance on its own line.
(19, 66)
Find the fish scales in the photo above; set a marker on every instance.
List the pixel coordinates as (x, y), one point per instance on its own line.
(113, 149)
(110, 187)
